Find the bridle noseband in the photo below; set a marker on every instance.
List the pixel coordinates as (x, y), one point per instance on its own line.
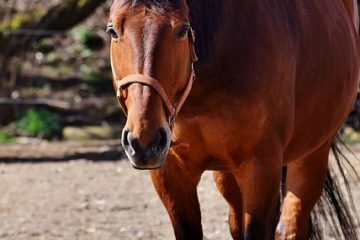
(172, 109)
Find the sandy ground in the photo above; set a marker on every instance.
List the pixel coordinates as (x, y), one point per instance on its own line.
(48, 199)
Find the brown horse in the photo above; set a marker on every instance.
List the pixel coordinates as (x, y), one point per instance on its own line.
(274, 82)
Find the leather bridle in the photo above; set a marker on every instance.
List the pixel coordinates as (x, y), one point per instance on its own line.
(172, 109)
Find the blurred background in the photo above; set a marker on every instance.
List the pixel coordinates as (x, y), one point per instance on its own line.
(55, 75)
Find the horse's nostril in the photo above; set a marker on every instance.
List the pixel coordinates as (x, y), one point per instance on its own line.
(124, 137)
(132, 147)
(134, 144)
(130, 144)
(163, 138)
(156, 141)
(150, 156)
(159, 142)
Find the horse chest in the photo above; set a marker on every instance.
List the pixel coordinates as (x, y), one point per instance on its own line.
(215, 136)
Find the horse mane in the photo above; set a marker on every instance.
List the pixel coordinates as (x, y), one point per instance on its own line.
(206, 18)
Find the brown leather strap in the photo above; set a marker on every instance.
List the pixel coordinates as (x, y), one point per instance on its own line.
(194, 57)
(148, 81)
(185, 93)
(154, 84)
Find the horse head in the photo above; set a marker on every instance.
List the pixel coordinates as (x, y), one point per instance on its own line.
(152, 55)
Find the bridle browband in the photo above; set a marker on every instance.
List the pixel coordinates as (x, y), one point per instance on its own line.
(173, 110)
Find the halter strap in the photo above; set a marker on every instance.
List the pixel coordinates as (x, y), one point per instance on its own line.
(155, 85)
(173, 110)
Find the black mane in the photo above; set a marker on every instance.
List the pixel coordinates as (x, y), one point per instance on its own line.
(206, 18)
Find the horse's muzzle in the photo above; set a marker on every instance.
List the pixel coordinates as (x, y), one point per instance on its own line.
(151, 156)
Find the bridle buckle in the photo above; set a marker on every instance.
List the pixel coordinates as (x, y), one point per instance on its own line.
(172, 118)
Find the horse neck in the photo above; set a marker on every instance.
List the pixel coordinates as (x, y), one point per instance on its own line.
(219, 24)
(214, 21)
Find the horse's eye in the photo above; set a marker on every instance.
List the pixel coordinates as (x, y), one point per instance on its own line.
(183, 31)
(112, 32)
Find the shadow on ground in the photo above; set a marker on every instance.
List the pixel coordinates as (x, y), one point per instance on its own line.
(109, 150)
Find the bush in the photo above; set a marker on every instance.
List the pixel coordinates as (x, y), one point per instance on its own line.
(89, 40)
(39, 123)
(6, 138)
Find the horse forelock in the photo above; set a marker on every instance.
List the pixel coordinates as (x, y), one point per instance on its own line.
(159, 5)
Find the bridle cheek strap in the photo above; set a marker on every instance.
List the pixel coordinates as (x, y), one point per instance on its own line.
(173, 111)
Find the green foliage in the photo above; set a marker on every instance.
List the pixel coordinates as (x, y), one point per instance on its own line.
(6, 138)
(82, 34)
(39, 123)
(87, 53)
(43, 46)
(91, 77)
(21, 19)
(351, 136)
(89, 41)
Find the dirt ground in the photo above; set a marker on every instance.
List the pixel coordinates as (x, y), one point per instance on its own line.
(89, 196)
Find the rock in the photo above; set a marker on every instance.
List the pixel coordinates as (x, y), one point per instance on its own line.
(90, 133)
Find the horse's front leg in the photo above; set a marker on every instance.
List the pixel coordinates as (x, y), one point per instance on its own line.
(177, 190)
(259, 180)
